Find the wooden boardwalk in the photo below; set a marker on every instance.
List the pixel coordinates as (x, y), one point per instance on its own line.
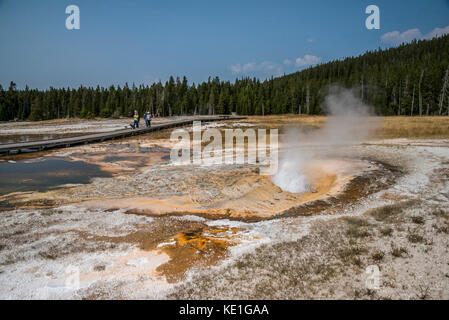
(41, 145)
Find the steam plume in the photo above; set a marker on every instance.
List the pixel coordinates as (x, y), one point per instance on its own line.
(349, 122)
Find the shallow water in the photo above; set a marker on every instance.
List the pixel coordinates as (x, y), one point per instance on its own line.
(45, 175)
(6, 139)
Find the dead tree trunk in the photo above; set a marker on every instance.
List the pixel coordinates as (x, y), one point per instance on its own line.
(393, 98)
(413, 101)
(420, 94)
(363, 87)
(386, 78)
(443, 91)
(405, 95)
(308, 99)
(302, 99)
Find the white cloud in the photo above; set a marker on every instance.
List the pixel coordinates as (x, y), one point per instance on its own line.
(437, 32)
(273, 68)
(249, 67)
(236, 68)
(307, 60)
(396, 37)
(266, 67)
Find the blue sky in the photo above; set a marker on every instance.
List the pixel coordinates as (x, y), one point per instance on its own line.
(146, 41)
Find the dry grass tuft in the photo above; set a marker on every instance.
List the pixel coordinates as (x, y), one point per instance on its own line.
(413, 237)
(386, 232)
(390, 212)
(418, 220)
(399, 252)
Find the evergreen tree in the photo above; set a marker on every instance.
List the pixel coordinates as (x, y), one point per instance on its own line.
(408, 80)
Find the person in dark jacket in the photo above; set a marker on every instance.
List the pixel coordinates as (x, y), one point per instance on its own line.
(147, 117)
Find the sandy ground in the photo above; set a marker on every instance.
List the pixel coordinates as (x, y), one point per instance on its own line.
(153, 230)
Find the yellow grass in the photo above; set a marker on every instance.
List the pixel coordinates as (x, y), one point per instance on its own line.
(414, 127)
(390, 127)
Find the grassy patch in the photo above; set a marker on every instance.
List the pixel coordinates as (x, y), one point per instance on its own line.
(443, 228)
(414, 127)
(418, 220)
(357, 233)
(385, 212)
(378, 256)
(350, 253)
(358, 262)
(325, 270)
(390, 212)
(399, 252)
(415, 238)
(357, 227)
(386, 232)
(424, 291)
(440, 213)
(392, 127)
(357, 222)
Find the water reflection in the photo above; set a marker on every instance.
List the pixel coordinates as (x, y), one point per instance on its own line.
(45, 175)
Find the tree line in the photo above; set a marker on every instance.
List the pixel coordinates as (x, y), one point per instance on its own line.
(411, 79)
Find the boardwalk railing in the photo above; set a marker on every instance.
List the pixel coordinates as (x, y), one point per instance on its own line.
(34, 146)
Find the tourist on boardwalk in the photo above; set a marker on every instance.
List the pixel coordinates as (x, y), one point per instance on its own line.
(135, 124)
(147, 117)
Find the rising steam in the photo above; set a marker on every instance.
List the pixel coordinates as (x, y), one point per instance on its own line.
(349, 122)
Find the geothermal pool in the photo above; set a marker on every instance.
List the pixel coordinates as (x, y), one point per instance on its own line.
(131, 225)
(46, 174)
